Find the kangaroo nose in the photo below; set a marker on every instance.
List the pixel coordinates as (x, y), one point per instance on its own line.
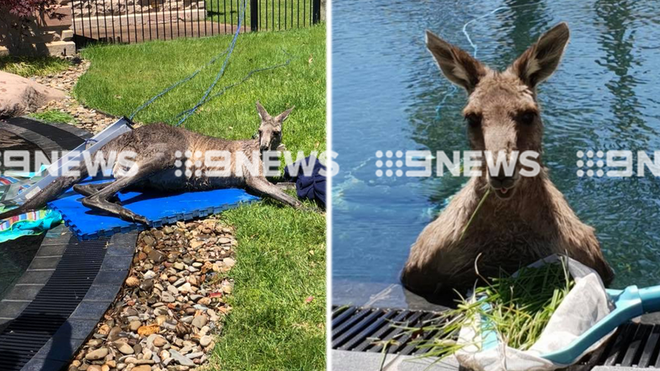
(501, 180)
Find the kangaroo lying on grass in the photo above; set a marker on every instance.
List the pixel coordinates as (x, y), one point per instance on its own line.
(155, 167)
(528, 218)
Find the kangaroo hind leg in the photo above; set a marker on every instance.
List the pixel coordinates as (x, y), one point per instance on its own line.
(263, 187)
(100, 199)
(92, 188)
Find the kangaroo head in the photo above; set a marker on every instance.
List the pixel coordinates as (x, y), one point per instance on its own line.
(502, 113)
(270, 131)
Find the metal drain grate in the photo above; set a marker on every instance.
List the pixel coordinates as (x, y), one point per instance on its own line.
(634, 345)
(54, 303)
(355, 329)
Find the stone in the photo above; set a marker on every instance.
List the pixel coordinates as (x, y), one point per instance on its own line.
(159, 341)
(167, 297)
(193, 280)
(19, 95)
(149, 275)
(114, 333)
(125, 348)
(181, 359)
(132, 281)
(185, 288)
(156, 256)
(200, 321)
(142, 368)
(148, 240)
(94, 368)
(205, 340)
(148, 330)
(147, 285)
(104, 329)
(97, 354)
(134, 325)
(229, 262)
(173, 290)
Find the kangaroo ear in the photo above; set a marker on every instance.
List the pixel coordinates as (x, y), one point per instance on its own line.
(540, 61)
(262, 112)
(282, 116)
(457, 65)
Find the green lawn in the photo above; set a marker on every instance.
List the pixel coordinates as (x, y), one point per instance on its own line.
(281, 251)
(122, 77)
(33, 66)
(274, 14)
(281, 266)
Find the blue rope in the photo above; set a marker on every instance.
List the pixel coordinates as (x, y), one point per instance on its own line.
(245, 78)
(168, 89)
(189, 112)
(212, 61)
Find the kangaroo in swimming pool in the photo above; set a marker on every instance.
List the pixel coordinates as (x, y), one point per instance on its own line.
(155, 161)
(527, 218)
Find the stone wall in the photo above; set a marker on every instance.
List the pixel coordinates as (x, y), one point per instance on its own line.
(98, 8)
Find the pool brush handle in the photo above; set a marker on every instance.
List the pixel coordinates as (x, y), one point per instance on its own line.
(650, 299)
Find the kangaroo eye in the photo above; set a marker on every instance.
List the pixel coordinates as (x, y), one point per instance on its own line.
(527, 118)
(473, 120)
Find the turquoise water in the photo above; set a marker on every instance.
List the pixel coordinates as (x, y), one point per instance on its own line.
(388, 95)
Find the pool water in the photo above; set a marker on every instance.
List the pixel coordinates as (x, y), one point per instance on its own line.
(15, 255)
(389, 95)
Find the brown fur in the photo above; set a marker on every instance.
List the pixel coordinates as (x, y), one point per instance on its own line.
(155, 147)
(529, 221)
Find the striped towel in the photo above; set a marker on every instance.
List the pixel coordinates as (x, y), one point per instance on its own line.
(6, 224)
(30, 223)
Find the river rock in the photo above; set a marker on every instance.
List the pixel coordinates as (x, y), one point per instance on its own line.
(95, 355)
(200, 321)
(125, 348)
(181, 359)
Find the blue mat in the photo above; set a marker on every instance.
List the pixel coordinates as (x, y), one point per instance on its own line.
(158, 208)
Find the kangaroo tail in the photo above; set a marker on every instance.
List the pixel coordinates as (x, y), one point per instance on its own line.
(49, 193)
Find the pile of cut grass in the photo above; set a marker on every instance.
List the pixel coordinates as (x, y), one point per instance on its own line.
(516, 307)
